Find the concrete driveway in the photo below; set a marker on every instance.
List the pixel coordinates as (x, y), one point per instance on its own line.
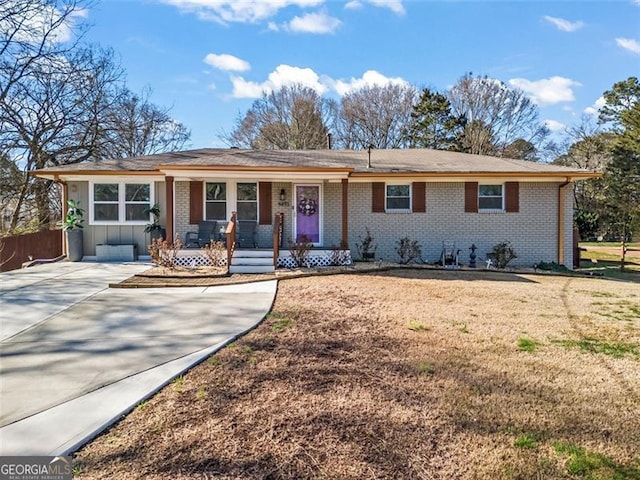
(75, 355)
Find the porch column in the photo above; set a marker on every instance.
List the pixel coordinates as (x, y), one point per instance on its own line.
(345, 213)
(65, 196)
(168, 182)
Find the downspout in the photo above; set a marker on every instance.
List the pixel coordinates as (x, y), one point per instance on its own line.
(561, 188)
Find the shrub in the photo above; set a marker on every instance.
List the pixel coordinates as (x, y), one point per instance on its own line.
(216, 252)
(502, 254)
(163, 253)
(366, 248)
(408, 251)
(299, 251)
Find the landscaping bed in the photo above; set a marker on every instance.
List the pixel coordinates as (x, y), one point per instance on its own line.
(410, 373)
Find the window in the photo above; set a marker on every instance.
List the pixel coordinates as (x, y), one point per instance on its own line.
(106, 202)
(247, 201)
(490, 197)
(398, 197)
(137, 198)
(216, 201)
(116, 203)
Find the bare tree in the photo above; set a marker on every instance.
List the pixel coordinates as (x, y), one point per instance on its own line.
(497, 115)
(378, 116)
(294, 117)
(132, 126)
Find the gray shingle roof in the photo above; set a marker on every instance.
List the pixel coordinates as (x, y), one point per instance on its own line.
(408, 161)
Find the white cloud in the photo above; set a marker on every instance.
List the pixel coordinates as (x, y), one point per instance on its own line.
(281, 76)
(356, 5)
(547, 91)
(318, 23)
(229, 11)
(370, 78)
(394, 5)
(47, 21)
(629, 44)
(289, 75)
(564, 25)
(555, 126)
(593, 110)
(227, 62)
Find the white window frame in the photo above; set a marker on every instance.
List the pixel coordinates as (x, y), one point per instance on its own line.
(226, 201)
(398, 210)
(232, 196)
(256, 201)
(491, 210)
(121, 202)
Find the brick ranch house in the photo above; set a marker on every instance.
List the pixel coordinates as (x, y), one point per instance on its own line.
(333, 197)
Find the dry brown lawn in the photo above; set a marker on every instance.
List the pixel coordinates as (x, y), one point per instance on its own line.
(408, 374)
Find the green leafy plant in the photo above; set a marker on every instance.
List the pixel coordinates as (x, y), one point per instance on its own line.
(366, 248)
(155, 225)
(299, 251)
(502, 254)
(550, 267)
(408, 251)
(73, 220)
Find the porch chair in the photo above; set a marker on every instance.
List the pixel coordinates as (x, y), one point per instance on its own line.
(449, 256)
(204, 235)
(220, 233)
(247, 233)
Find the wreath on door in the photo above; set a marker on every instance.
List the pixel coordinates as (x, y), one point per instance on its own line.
(307, 206)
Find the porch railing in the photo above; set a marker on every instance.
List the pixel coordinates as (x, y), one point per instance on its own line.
(278, 224)
(231, 238)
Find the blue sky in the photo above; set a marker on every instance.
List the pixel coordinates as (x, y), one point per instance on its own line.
(209, 59)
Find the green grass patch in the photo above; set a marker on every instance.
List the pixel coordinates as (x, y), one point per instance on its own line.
(594, 345)
(527, 344)
(201, 393)
(280, 322)
(426, 368)
(526, 441)
(416, 326)
(592, 465)
(464, 328)
(611, 270)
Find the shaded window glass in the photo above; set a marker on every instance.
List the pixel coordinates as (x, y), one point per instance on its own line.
(247, 201)
(398, 197)
(137, 192)
(490, 190)
(398, 204)
(216, 210)
(105, 212)
(105, 192)
(247, 211)
(247, 191)
(216, 191)
(490, 197)
(136, 211)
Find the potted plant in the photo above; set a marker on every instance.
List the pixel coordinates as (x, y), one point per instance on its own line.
(73, 225)
(154, 229)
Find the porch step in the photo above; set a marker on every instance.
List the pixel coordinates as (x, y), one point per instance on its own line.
(252, 261)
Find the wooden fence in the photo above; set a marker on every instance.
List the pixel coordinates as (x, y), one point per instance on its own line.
(16, 250)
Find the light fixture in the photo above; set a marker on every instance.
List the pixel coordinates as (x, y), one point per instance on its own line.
(283, 198)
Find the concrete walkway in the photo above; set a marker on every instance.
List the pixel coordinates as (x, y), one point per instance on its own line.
(75, 355)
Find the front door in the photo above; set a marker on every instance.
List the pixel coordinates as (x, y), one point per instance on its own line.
(308, 214)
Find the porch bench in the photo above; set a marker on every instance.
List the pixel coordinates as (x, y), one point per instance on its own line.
(116, 253)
